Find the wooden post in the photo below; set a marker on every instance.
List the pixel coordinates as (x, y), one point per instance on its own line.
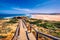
(36, 35)
(30, 28)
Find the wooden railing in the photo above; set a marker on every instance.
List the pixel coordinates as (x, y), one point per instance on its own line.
(24, 26)
(15, 37)
(37, 32)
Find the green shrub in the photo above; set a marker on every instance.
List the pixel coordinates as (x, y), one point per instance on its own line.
(2, 36)
(13, 20)
(35, 22)
(57, 24)
(47, 25)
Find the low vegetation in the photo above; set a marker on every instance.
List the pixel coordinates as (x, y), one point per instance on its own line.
(7, 28)
(2, 36)
(52, 26)
(13, 20)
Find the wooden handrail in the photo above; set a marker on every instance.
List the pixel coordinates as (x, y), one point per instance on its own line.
(24, 26)
(37, 32)
(28, 33)
(16, 34)
(49, 36)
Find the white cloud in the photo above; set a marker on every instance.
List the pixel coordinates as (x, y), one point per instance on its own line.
(20, 9)
(11, 11)
(27, 11)
(35, 10)
(45, 4)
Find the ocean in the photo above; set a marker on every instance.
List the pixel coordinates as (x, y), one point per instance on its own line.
(11, 15)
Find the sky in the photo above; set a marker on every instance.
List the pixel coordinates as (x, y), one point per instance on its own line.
(29, 6)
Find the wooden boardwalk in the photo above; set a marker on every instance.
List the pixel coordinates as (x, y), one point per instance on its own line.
(23, 34)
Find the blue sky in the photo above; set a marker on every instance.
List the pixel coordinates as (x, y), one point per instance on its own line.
(29, 6)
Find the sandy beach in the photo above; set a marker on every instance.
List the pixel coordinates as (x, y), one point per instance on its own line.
(47, 17)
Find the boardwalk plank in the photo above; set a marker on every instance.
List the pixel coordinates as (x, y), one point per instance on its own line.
(22, 32)
(31, 36)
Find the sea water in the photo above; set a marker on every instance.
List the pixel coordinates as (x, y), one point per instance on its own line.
(11, 15)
